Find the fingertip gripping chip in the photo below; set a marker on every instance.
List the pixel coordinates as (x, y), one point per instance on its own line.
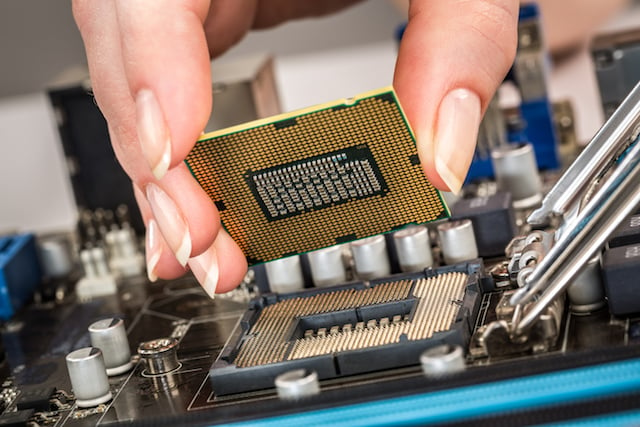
(313, 178)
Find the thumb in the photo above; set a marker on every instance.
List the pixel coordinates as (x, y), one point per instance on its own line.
(453, 56)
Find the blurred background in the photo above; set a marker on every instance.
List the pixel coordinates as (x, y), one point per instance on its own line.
(314, 61)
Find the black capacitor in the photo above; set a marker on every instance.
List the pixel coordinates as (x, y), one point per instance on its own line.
(493, 220)
(628, 233)
(620, 271)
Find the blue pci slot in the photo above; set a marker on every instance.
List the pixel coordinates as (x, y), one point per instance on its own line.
(631, 418)
(479, 400)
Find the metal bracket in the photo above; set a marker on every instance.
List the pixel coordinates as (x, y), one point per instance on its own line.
(598, 191)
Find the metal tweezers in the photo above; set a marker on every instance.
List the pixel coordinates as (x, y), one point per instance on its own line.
(591, 199)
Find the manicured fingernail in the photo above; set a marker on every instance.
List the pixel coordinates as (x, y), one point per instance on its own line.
(153, 250)
(171, 223)
(153, 133)
(455, 137)
(205, 268)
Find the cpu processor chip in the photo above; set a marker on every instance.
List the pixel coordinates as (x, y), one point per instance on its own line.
(317, 177)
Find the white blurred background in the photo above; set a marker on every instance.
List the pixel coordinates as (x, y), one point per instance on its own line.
(315, 61)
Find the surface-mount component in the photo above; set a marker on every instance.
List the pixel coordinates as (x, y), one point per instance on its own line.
(19, 418)
(620, 271)
(349, 329)
(615, 58)
(628, 233)
(36, 398)
(317, 177)
(493, 219)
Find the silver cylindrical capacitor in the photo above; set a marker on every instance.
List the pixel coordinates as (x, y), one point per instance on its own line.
(586, 293)
(413, 248)
(327, 267)
(370, 257)
(297, 384)
(160, 355)
(88, 377)
(516, 171)
(457, 241)
(285, 274)
(442, 360)
(110, 336)
(55, 256)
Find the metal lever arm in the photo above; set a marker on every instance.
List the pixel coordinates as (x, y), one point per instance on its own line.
(613, 157)
(584, 237)
(596, 158)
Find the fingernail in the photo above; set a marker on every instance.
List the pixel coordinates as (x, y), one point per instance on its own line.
(153, 133)
(205, 268)
(153, 249)
(171, 223)
(456, 135)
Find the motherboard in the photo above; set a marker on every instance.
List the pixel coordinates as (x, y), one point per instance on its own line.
(372, 298)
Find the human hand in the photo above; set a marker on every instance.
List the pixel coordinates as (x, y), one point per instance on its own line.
(149, 64)
(453, 56)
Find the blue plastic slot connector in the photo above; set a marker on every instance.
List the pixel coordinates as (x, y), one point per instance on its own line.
(20, 272)
(464, 403)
